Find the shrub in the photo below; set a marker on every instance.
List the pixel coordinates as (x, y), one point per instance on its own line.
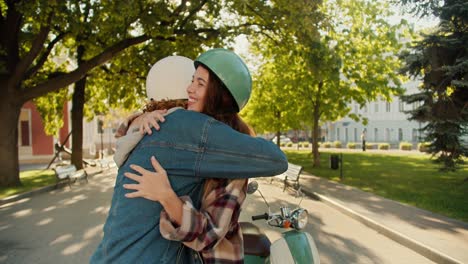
(289, 144)
(384, 146)
(370, 145)
(299, 145)
(406, 146)
(337, 144)
(424, 146)
(326, 144)
(351, 145)
(282, 144)
(306, 144)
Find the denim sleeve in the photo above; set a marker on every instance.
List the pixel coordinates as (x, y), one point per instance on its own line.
(230, 154)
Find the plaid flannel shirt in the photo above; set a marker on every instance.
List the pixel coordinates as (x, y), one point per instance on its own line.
(213, 230)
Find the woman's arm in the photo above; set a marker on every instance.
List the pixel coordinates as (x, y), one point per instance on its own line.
(141, 122)
(180, 221)
(149, 119)
(214, 224)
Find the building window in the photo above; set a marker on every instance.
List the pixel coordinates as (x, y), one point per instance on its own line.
(355, 135)
(400, 134)
(415, 135)
(365, 109)
(24, 129)
(401, 106)
(376, 134)
(416, 105)
(338, 134)
(376, 107)
(387, 107)
(356, 109)
(387, 134)
(25, 133)
(346, 134)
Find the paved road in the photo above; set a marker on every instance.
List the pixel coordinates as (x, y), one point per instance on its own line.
(65, 226)
(339, 238)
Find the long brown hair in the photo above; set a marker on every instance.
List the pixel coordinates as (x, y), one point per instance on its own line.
(220, 104)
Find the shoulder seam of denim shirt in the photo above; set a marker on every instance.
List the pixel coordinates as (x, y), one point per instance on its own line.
(203, 141)
(177, 146)
(246, 155)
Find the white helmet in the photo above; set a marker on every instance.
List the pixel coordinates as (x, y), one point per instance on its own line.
(169, 78)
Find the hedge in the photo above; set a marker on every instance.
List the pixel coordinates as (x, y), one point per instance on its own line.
(384, 146)
(406, 146)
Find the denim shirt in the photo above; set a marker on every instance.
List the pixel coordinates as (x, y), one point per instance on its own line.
(190, 146)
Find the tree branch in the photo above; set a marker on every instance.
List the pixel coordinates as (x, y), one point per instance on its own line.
(36, 47)
(33, 70)
(182, 5)
(192, 13)
(62, 80)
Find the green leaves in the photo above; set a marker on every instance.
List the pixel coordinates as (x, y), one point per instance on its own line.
(347, 48)
(51, 107)
(319, 57)
(441, 59)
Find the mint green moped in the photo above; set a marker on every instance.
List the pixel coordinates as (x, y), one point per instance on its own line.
(294, 246)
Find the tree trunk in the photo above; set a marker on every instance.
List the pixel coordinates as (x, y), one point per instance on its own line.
(77, 123)
(315, 136)
(9, 165)
(278, 132)
(78, 101)
(316, 129)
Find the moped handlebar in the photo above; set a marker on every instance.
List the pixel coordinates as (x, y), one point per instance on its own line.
(259, 217)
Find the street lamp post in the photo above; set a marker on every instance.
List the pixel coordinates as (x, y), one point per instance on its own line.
(101, 131)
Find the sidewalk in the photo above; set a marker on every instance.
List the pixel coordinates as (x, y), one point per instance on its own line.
(441, 239)
(91, 171)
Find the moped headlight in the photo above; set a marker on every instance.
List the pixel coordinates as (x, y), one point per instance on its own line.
(300, 217)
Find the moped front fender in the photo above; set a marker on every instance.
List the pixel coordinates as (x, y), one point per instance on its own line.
(294, 247)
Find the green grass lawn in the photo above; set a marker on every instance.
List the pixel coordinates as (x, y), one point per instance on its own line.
(412, 179)
(30, 180)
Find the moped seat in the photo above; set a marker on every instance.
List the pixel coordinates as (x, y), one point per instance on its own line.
(255, 241)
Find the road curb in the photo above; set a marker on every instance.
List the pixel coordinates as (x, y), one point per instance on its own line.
(44, 189)
(396, 236)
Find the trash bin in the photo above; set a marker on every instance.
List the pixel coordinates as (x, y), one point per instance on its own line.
(334, 159)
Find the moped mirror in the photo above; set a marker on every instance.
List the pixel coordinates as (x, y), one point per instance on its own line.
(252, 187)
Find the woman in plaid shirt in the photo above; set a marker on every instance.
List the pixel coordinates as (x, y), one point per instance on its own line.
(213, 230)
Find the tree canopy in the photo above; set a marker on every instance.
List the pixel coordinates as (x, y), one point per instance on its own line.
(47, 45)
(336, 53)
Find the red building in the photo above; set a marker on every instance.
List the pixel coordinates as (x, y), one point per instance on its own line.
(33, 144)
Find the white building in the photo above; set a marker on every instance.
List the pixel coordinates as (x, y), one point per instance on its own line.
(386, 122)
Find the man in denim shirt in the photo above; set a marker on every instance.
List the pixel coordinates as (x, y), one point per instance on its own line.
(190, 146)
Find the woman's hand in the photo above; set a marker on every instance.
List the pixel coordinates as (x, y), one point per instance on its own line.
(153, 186)
(148, 120)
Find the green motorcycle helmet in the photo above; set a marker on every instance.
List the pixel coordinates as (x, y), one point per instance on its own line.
(231, 70)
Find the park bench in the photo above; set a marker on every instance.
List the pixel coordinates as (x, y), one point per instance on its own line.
(291, 176)
(69, 174)
(107, 163)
